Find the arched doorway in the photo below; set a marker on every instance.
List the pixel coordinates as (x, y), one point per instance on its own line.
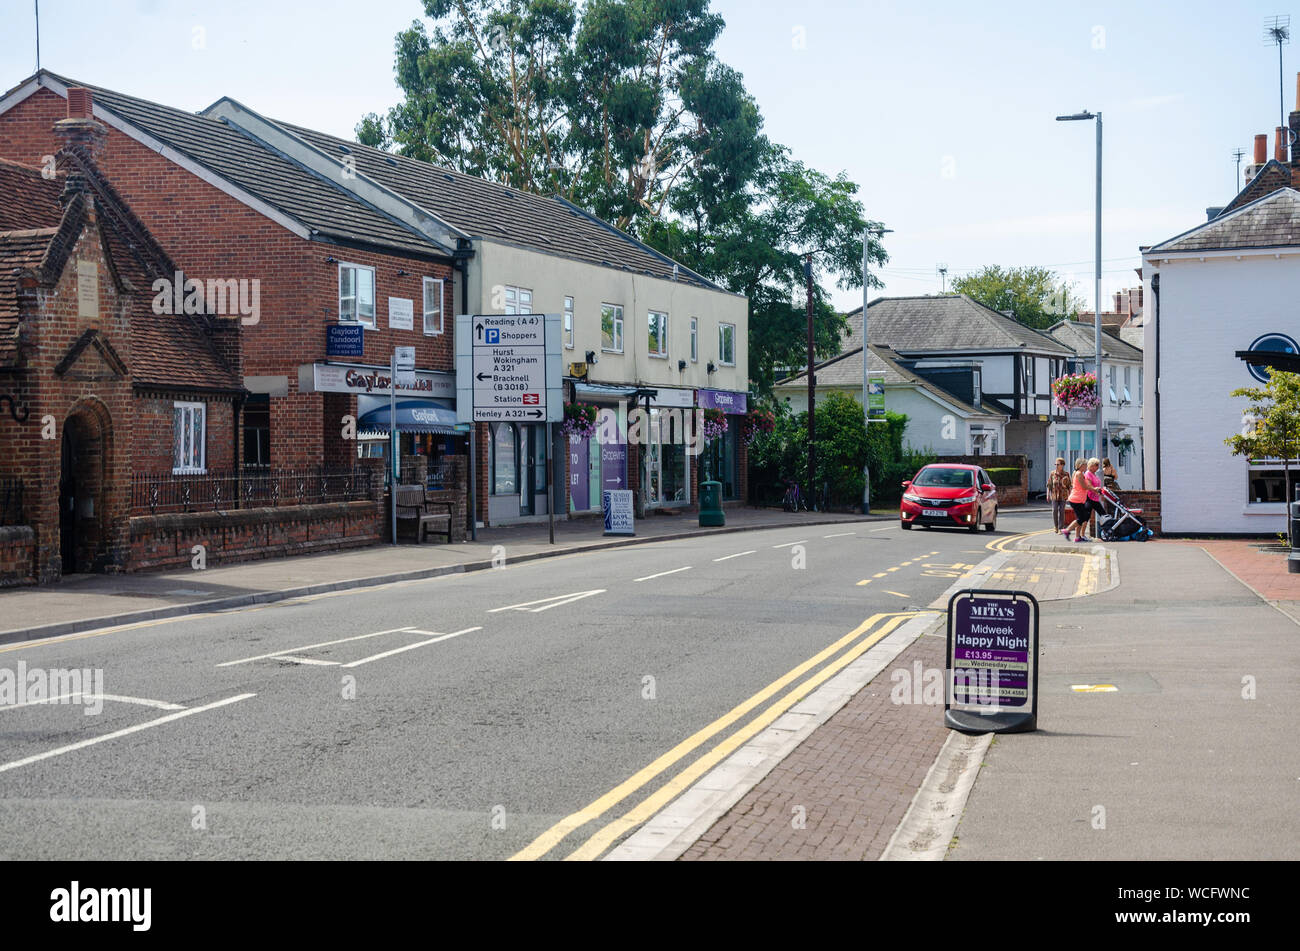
(81, 484)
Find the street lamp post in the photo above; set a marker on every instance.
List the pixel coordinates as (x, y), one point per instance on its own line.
(866, 388)
(1079, 116)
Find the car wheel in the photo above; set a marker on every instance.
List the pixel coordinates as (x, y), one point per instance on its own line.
(993, 525)
(907, 526)
(973, 527)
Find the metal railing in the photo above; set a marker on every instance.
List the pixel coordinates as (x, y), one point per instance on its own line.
(164, 493)
(11, 501)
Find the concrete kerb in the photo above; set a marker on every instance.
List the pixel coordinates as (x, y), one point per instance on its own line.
(216, 605)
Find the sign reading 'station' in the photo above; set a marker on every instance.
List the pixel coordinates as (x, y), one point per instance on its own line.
(992, 662)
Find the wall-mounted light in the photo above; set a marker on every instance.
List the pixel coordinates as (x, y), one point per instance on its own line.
(331, 260)
(591, 356)
(711, 368)
(681, 366)
(401, 273)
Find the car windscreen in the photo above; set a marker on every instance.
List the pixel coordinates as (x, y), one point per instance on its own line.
(948, 478)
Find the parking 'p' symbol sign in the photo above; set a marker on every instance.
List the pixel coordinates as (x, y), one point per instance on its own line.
(493, 335)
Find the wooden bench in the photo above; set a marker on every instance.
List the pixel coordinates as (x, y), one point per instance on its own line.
(413, 505)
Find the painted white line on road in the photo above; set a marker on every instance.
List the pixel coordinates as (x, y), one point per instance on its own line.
(558, 600)
(142, 701)
(311, 661)
(885, 529)
(839, 535)
(411, 647)
(662, 573)
(736, 555)
(116, 734)
(788, 544)
(307, 647)
(897, 594)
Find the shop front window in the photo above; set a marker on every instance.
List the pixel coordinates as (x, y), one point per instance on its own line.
(504, 461)
(720, 461)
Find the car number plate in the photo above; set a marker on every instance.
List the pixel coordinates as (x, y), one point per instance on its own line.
(939, 512)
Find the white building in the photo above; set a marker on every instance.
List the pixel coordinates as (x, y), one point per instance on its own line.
(1226, 286)
(938, 420)
(1122, 377)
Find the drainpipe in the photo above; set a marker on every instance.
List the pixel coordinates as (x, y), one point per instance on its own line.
(460, 262)
(1155, 291)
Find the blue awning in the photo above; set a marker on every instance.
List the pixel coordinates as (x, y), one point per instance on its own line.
(413, 416)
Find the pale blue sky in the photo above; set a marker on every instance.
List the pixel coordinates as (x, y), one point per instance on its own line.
(943, 113)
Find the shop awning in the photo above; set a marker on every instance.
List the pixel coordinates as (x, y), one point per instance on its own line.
(603, 391)
(413, 416)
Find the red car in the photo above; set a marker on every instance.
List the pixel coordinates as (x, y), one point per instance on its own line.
(956, 496)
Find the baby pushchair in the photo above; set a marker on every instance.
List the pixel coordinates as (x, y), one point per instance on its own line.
(1121, 524)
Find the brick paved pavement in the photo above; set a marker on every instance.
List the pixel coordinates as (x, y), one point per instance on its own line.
(854, 778)
(856, 775)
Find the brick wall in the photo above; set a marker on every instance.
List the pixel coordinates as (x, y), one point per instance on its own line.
(1148, 501)
(161, 542)
(17, 550)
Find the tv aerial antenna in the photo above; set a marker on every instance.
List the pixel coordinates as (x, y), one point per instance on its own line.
(1277, 30)
(942, 270)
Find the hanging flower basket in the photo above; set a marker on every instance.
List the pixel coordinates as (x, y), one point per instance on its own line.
(757, 421)
(579, 420)
(1076, 391)
(1122, 443)
(715, 424)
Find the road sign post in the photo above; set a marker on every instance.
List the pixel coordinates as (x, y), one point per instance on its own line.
(992, 662)
(508, 370)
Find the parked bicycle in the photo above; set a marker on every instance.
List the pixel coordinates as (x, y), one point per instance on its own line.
(793, 499)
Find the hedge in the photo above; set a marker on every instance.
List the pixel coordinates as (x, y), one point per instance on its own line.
(1004, 476)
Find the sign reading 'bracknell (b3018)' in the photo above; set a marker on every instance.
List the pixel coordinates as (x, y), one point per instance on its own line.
(509, 367)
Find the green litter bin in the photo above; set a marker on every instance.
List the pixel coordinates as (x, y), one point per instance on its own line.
(711, 504)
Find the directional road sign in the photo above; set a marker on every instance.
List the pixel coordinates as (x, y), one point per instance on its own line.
(508, 369)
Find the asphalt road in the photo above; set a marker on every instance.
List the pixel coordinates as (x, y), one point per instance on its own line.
(458, 717)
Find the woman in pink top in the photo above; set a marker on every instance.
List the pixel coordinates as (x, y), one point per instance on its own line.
(1094, 495)
(1079, 502)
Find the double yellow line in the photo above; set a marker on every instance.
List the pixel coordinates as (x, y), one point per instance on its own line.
(875, 628)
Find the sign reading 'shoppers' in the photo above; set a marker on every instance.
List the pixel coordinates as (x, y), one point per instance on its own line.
(508, 367)
(992, 662)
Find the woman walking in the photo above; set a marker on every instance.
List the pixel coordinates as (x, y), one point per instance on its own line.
(1078, 500)
(1094, 494)
(1058, 490)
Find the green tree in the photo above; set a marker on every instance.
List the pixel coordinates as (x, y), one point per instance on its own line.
(613, 107)
(756, 246)
(1271, 425)
(1036, 296)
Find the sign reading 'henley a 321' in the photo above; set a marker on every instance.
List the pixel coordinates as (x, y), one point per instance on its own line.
(508, 368)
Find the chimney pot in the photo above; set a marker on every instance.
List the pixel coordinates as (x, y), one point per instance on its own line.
(81, 104)
(1261, 149)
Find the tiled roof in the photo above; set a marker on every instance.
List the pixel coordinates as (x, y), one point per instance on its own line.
(497, 212)
(845, 370)
(1272, 176)
(170, 352)
(944, 323)
(298, 193)
(1272, 221)
(31, 200)
(1081, 338)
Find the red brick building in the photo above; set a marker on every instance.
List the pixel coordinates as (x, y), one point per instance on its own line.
(95, 380)
(230, 210)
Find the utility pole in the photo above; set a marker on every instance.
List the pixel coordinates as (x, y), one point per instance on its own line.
(812, 391)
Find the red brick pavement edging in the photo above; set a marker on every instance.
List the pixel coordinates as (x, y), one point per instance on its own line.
(854, 779)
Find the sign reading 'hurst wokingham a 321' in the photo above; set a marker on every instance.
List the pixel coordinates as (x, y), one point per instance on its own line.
(507, 368)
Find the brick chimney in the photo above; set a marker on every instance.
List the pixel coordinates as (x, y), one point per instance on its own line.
(1260, 158)
(81, 129)
(1279, 145)
(1293, 121)
(83, 134)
